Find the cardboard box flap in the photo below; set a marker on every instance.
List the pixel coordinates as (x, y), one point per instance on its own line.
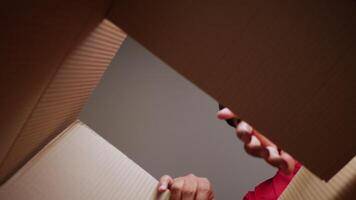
(307, 186)
(53, 54)
(286, 67)
(79, 164)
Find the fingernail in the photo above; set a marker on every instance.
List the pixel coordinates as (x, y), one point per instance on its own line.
(273, 152)
(254, 142)
(244, 131)
(162, 187)
(224, 112)
(244, 128)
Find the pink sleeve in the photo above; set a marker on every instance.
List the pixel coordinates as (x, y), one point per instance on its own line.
(272, 188)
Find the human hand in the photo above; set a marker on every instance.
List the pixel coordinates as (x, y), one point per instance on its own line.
(258, 145)
(188, 187)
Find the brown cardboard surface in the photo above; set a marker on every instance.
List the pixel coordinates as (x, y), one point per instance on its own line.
(286, 67)
(306, 186)
(52, 54)
(79, 164)
(35, 39)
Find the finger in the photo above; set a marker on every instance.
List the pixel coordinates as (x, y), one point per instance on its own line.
(164, 182)
(253, 145)
(274, 158)
(226, 113)
(176, 189)
(270, 153)
(189, 188)
(288, 166)
(244, 132)
(204, 190)
(264, 141)
(266, 149)
(255, 148)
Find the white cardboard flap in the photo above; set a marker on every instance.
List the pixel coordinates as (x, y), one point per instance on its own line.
(79, 164)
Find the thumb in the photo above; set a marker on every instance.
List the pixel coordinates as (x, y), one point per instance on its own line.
(164, 183)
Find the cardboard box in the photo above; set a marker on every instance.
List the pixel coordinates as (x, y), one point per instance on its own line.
(285, 67)
(79, 164)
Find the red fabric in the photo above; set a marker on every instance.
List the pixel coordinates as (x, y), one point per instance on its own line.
(272, 188)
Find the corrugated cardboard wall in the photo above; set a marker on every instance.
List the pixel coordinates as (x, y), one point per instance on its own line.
(306, 186)
(80, 165)
(65, 95)
(36, 37)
